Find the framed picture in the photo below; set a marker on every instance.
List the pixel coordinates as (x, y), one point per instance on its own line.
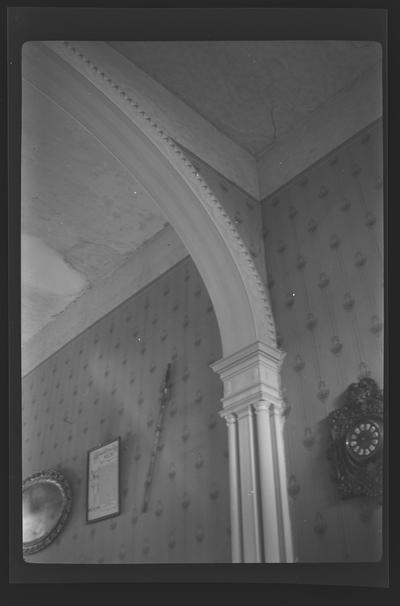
(103, 481)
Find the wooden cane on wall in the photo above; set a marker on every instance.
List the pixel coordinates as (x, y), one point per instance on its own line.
(165, 396)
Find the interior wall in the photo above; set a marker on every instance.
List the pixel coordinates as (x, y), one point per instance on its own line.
(324, 255)
(104, 384)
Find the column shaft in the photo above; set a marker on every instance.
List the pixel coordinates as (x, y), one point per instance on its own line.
(268, 486)
(285, 512)
(234, 483)
(249, 488)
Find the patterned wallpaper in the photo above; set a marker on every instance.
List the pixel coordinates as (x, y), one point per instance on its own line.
(105, 383)
(323, 235)
(323, 240)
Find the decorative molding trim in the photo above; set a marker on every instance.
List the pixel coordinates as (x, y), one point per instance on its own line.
(258, 297)
(244, 413)
(251, 375)
(262, 406)
(183, 123)
(245, 358)
(257, 401)
(230, 418)
(251, 379)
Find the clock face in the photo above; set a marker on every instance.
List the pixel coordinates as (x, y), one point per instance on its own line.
(364, 439)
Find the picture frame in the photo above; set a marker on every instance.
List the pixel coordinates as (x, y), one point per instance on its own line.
(103, 481)
(46, 506)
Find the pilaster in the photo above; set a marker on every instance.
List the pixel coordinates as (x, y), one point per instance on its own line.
(252, 408)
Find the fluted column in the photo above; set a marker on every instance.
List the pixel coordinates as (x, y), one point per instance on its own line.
(250, 512)
(267, 483)
(277, 422)
(236, 526)
(252, 405)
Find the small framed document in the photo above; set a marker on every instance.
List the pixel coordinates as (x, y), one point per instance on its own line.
(103, 481)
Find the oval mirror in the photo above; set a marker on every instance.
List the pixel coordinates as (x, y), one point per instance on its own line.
(46, 503)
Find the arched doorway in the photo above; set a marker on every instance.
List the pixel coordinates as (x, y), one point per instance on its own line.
(251, 362)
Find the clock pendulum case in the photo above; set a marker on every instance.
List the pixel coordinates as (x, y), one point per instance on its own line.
(357, 441)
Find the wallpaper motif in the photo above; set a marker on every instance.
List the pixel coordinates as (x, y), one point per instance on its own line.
(323, 240)
(323, 237)
(106, 383)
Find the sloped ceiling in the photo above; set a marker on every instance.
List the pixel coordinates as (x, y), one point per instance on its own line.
(254, 92)
(82, 214)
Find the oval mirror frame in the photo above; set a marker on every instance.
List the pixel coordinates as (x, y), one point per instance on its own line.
(50, 482)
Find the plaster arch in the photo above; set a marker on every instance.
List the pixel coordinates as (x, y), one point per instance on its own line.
(92, 97)
(250, 368)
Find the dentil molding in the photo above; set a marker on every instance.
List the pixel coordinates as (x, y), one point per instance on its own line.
(257, 294)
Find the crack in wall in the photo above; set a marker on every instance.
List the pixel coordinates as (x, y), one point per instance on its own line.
(273, 122)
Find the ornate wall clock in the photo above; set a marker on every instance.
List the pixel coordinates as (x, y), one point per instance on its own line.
(357, 441)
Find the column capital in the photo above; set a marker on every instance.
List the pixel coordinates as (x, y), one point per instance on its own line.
(230, 418)
(245, 411)
(262, 406)
(255, 353)
(254, 404)
(277, 408)
(251, 375)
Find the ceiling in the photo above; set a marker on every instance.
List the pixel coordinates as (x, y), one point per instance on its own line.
(254, 92)
(82, 214)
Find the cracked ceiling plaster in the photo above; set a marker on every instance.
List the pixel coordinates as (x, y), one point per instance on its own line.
(82, 214)
(253, 92)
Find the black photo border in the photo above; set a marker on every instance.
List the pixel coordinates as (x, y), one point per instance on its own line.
(112, 23)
